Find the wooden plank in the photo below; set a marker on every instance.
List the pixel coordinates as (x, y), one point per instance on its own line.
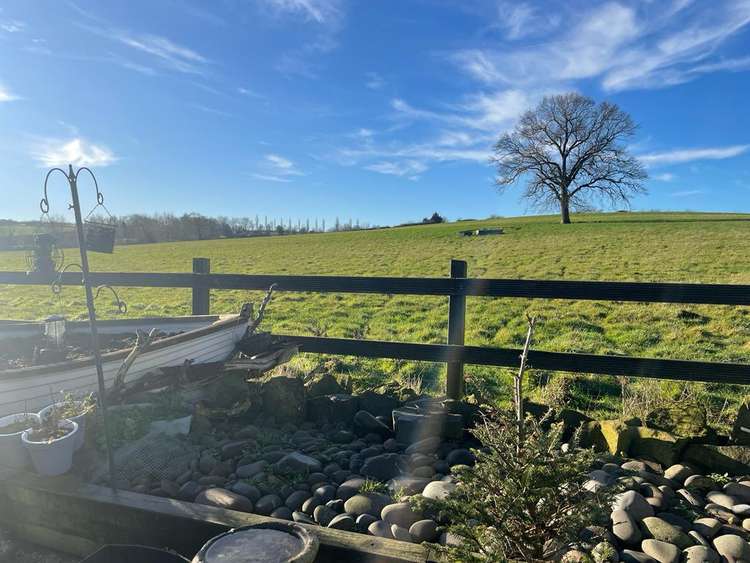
(456, 330)
(687, 370)
(100, 515)
(715, 294)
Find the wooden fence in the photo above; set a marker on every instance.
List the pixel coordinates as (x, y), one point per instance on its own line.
(457, 288)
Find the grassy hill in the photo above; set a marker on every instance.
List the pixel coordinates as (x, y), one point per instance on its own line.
(687, 247)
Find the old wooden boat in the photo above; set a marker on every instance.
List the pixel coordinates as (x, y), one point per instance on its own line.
(200, 339)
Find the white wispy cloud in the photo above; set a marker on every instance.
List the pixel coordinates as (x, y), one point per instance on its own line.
(687, 193)
(521, 19)
(168, 53)
(211, 110)
(6, 95)
(490, 112)
(624, 46)
(319, 11)
(666, 177)
(374, 81)
(326, 18)
(12, 26)
(248, 92)
(276, 168)
(270, 177)
(410, 168)
(76, 151)
(688, 155)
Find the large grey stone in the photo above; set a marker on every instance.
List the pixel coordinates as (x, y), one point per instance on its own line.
(346, 490)
(663, 552)
(363, 522)
(324, 384)
(366, 422)
(343, 522)
(679, 472)
(625, 528)
(283, 398)
(722, 499)
(324, 514)
(659, 529)
(707, 527)
(700, 554)
(296, 500)
(634, 504)
(336, 409)
(632, 556)
(423, 531)
(369, 503)
(399, 533)
(297, 462)
(734, 460)
(189, 491)
(381, 467)
(739, 491)
(302, 518)
(251, 469)
(401, 514)
(235, 448)
(224, 499)
(282, 512)
(425, 446)
(267, 504)
(407, 485)
(378, 404)
(438, 490)
(246, 490)
(380, 529)
(733, 548)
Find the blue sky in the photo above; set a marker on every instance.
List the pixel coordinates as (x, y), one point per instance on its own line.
(378, 110)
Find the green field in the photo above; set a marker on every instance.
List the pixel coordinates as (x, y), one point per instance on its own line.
(685, 247)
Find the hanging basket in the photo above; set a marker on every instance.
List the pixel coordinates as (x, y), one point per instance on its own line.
(100, 237)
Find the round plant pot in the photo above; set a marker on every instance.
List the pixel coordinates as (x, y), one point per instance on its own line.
(12, 453)
(56, 456)
(273, 542)
(80, 420)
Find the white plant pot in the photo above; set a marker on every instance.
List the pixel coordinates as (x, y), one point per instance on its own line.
(80, 420)
(55, 457)
(12, 453)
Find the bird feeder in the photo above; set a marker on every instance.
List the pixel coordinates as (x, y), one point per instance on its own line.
(100, 237)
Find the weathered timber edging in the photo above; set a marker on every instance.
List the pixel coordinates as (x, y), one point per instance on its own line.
(74, 517)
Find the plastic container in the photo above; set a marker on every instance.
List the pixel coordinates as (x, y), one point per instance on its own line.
(13, 455)
(54, 457)
(133, 554)
(274, 542)
(80, 420)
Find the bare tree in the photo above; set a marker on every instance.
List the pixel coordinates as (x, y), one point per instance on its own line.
(572, 152)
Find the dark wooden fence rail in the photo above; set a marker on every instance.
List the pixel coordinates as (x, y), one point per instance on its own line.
(457, 288)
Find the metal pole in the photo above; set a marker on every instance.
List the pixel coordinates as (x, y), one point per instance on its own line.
(73, 181)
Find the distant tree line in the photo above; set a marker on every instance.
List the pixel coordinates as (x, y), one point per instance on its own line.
(166, 227)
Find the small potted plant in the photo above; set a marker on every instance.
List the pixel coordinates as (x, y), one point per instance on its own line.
(71, 408)
(12, 453)
(51, 443)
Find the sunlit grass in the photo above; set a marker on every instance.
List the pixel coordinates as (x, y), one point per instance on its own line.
(673, 247)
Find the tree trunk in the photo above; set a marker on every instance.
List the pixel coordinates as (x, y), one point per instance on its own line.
(564, 211)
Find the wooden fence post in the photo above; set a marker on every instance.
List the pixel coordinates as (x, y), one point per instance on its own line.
(201, 294)
(456, 329)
